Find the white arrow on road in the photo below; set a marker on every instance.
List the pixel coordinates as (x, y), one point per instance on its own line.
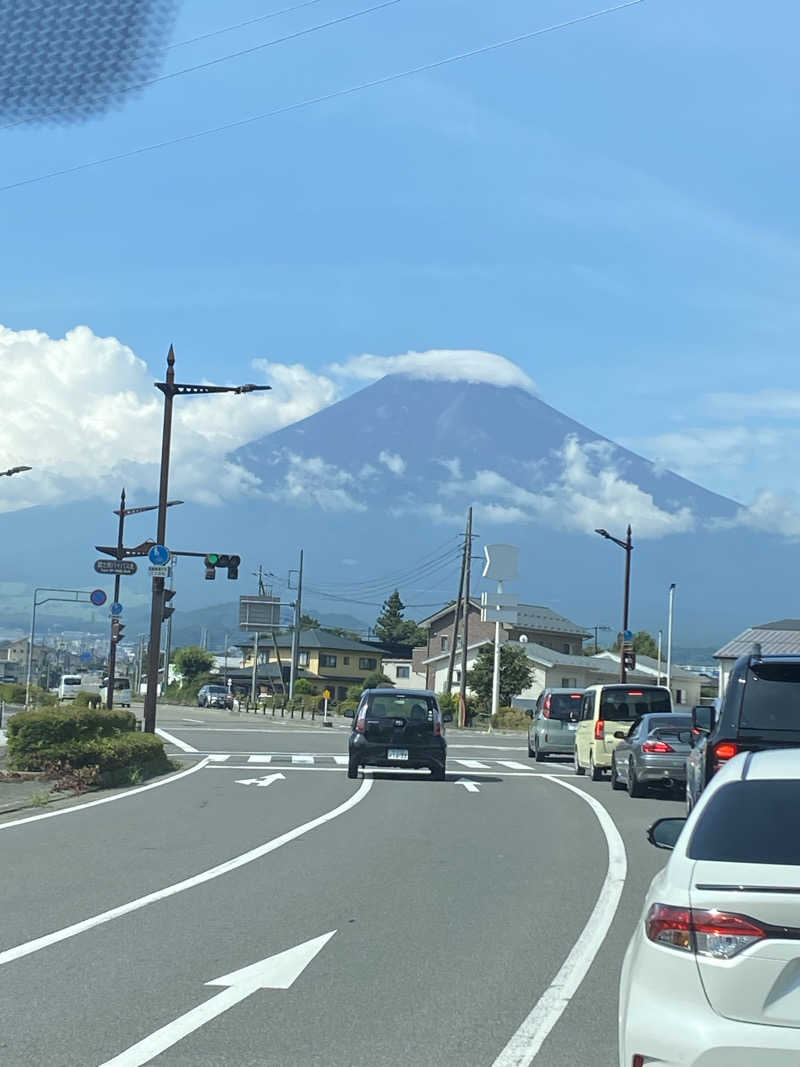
(267, 780)
(275, 972)
(470, 787)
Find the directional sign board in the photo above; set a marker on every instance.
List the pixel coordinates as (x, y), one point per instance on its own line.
(97, 596)
(257, 613)
(499, 607)
(158, 555)
(116, 609)
(115, 566)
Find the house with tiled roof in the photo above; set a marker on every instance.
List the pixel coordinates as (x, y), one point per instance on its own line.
(779, 638)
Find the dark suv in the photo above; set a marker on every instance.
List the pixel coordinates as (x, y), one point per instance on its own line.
(398, 728)
(761, 709)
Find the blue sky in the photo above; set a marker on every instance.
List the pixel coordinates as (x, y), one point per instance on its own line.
(611, 206)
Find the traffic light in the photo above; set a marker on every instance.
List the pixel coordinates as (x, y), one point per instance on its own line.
(629, 661)
(117, 630)
(166, 610)
(214, 560)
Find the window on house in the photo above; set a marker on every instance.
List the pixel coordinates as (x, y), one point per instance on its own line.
(679, 697)
(444, 642)
(327, 660)
(569, 683)
(403, 672)
(366, 663)
(457, 677)
(346, 661)
(567, 647)
(302, 659)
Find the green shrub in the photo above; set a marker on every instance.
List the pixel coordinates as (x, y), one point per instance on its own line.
(115, 757)
(510, 719)
(29, 731)
(12, 692)
(85, 698)
(346, 705)
(303, 687)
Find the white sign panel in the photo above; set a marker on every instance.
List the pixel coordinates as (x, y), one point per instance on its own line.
(158, 571)
(502, 563)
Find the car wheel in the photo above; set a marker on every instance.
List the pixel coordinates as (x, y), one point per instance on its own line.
(576, 763)
(352, 769)
(615, 782)
(595, 773)
(539, 755)
(635, 787)
(438, 772)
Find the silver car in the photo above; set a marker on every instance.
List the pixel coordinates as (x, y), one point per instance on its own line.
(553, 723)
(652, 752)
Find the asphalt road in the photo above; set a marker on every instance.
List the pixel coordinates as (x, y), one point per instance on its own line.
(451, 908)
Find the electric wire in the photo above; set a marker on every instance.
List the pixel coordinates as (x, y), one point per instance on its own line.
(295, 35)
(323, 98)
(403, 577)
(239, 25)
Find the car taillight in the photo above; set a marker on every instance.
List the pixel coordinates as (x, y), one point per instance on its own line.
(706, 933)
(361, 723)
(600, 729)
(437, 729)
(638, 1060)
(725, 750)
(657, 746)
(546, 707)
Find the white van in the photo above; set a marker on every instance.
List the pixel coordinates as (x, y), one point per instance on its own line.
(122, 693)
(69, 685)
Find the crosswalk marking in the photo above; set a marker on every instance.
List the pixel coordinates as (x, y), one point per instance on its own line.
(302, 759)
(513, 765)
(218, 758)
(472, 764)
(341, 760)
(259, 759)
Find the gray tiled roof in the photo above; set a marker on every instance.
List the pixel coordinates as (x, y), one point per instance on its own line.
(318, 638)
(536, 617)
(773, 641)
(652, 664)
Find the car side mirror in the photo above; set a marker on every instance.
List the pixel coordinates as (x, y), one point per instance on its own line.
(703, 718)
(447, 717)
(349, 713)
(620, 734)
(664, 833)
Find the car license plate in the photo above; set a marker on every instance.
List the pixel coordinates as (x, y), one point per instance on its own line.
(397, 753)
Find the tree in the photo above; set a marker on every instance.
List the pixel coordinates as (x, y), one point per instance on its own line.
(516, 674)
(393, 629)
(192, 661)
(644, 644)
(308, 622)
(303, 687)
(377, 680)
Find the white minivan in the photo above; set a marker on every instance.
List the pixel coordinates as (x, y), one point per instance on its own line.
(69, 685)
(122, 692)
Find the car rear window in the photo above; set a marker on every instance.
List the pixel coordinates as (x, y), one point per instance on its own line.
(675, 723)
(216, 689)
(71, 681)
(562, 705)
(626, 703)
(771, 699)
(401, 707)
(753, 821)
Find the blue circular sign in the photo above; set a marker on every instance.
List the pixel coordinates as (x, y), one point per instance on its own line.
(116, 609)
(158, 555)
(98, 597)
(85, 657)
(627, 636)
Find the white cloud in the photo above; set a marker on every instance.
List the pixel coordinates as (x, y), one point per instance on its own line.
(312, 482)
(86, 417)
(396, 464)
(774, 513)
(449, 365)
(767, 402)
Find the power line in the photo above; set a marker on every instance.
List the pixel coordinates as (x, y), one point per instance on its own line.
(311, 101)
(402, 578)
(239, 25)
(212, 62)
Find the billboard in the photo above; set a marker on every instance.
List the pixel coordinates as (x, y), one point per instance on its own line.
(258, 613)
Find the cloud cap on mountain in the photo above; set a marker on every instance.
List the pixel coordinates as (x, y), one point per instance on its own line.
(440, 364)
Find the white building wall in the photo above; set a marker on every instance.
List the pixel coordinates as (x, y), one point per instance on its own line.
(412, 680)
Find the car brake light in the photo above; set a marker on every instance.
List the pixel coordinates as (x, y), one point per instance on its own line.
(657, 746)
(546, 707)
(635, 693)
(706, 933)
(599, 729)
(725, 750)
(638, 1060)
(361, 723)
(437, 728)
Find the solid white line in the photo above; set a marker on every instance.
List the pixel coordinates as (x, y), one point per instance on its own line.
(176, 741)
(342, 761)
(525, 1044)
(38, 943)
(193, 720)
(513, 765)
(259, 759)
(473, 764)
(303, 759)
(218, 757)
(106, 800)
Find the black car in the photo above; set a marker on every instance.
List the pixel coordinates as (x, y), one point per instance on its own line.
(760, 709)
(398, 728)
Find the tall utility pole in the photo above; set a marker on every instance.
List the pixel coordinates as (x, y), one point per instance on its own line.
(298, 608)
(454, 640)
(462, 718)
(112, 650)
(170, 388)
(669, 635)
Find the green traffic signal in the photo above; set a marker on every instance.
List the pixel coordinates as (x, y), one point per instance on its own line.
(212, 559)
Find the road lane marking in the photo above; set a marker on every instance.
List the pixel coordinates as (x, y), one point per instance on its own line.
(280, 971)
(218, 757)
(303, 760)
(106, 800)
(341, 761)
(176, 741)
(268, 779)
(38, 943)
(473, 764)
(259, 759)
(513, 765)
(470, 787)
(525, 1044)
(193, 720)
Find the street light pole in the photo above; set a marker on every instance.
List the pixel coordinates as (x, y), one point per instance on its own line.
(669, 635)
(627, 545)
(170, 388)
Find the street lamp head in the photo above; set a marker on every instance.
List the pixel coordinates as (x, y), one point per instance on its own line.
(603, 533)
(251, 388)
(15, 470)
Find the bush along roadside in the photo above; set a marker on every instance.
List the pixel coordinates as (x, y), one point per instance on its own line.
(83, 746)
(510, 719)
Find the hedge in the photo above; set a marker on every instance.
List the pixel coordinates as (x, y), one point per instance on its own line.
(29, 731)
(14, 693)
(510, 719)
(114, 757)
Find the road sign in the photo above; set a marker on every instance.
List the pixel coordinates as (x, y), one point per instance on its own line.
(116, 609)
(97, 596)
(158, 555)
(85, 657)
(259, 612)
(160, 571)
(115, 566)
(627, 635)
(327, 694)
